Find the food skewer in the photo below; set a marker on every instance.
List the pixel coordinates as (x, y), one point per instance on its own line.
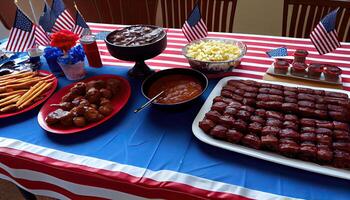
(148, 102)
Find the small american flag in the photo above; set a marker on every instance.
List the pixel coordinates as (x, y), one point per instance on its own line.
(47, 19)
(194, 27)
(282, 51)
(325, 36)
(80, 24)
(22, 33)
(62, 18)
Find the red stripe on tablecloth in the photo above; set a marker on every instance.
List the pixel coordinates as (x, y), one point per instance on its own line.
(39, 185)
(95, 28)
(257, 46)
(101, 178)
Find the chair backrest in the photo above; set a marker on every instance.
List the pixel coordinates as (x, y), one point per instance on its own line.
(7, 13)
(102, 11)
(117, 11)
(218, 14)
(301, 16)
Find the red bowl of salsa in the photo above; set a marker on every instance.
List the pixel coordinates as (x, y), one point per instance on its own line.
(180, 86)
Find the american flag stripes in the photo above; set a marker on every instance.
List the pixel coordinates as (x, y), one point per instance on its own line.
(194, 27)
(41, 37)
(80, 24)
(325, 36)
(63, 20)
(22, 33)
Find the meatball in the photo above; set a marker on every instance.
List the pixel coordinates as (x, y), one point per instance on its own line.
(106, 93)
(69, 97)
(91, 114)
(93, 95)
(79, 121)
(113, 85)
(79, 89)
(78, 110)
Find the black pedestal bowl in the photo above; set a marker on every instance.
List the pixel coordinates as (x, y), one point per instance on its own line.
(138, 53)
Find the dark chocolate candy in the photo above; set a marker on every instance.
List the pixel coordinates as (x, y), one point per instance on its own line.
(218, 131)
(252, 141)
(206, 125)
(274, 114)
(255, 128)
(233, 136)
(213, 115)
(309, 137)
(269, 142)
(273, 122)
(219, 106)
(270, 130)
(341, 125)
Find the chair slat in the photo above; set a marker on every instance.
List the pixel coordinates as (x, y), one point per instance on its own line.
(301, 21)
(310, 20)
(224, 17)
(343, 25)
(176, 13)
(210, 15)
(293, 26)
(317, 10)
(164, 14)
(217, 14)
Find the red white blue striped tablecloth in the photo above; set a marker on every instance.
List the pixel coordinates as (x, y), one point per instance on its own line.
(254, 63)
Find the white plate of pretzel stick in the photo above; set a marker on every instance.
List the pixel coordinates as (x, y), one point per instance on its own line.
(23, 91)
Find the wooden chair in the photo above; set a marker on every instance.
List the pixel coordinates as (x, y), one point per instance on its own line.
(117, 11)
(102, 11)
(7, 13)
(301, 16)
(218, 14)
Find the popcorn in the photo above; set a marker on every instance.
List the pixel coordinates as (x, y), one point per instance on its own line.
(213, 50)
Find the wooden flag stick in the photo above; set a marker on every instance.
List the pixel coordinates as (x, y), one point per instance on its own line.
(32, 8)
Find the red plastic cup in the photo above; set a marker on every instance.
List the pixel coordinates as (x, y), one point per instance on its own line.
(91, 50)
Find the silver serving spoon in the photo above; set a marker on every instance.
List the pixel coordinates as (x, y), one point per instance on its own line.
(148, 102)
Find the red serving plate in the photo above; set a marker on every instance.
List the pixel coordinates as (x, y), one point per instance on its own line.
(118, 101)
(46, 95)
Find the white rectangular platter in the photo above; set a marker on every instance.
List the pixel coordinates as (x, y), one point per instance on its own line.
(264, 155)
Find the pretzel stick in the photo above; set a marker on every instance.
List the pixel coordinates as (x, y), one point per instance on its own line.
(46, 77)
(36, 95)
(3, 89)
(8, 98)
(8, 108)
(21, 85)
(26, 79)
(17, 75)
(13, 92)
(14, 100)
(29, 92)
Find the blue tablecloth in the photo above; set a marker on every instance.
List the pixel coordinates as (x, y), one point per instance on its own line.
(159, 139)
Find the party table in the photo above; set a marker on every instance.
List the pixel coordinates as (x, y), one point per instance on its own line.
(153, 154)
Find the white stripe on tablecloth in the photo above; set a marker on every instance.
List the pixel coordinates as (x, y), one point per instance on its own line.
(159, 176)
(47, 193)
(78, 189)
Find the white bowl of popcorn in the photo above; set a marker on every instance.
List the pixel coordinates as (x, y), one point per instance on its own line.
(214, 55)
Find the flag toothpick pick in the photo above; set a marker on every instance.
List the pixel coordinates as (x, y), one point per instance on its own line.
(324, 36)
(194, 27)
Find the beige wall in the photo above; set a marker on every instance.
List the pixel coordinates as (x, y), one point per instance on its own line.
(259, 17)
